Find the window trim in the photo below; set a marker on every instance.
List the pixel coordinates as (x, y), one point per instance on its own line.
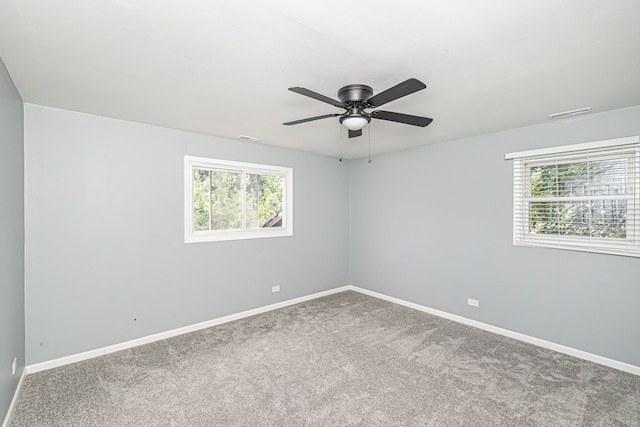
(574, 147)
(630, 246)
(191, 236)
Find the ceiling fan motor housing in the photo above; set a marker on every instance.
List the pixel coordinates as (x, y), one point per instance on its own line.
(355, 93)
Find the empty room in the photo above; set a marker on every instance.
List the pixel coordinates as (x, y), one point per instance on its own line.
(319, 213)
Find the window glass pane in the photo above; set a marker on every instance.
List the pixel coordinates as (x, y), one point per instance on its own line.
(608, 177)
(569, 179)
(264, 198)
(226, 212)
(609, 218)
(201, 205)
(544, 181)
(601, 218)
(573, 179)
(601, 177)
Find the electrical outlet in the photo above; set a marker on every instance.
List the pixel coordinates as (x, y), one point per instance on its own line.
(14, 366)
(275, 288)
(473, 302)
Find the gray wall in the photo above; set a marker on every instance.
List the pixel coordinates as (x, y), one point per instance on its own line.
(104, 233)
(434, 226)
(11, 237)
(104, 237)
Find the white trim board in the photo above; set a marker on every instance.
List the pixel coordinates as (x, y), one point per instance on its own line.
(66, 360)
(626, 367)
(574, 147)
(601, 360)
(16, 394)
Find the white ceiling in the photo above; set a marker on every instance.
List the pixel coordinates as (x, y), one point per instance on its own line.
(223, 68)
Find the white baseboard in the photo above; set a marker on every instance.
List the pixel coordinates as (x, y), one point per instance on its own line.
(16, 395)
(49, 364)
(626, 367)
(209, 323)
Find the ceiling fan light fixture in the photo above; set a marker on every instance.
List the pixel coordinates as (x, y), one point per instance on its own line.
(355, 122)
(357, 98)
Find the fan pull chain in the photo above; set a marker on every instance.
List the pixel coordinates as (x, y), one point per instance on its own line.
(340, 143)
(369, 136)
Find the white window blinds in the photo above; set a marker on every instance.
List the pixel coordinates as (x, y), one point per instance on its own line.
(583, 197)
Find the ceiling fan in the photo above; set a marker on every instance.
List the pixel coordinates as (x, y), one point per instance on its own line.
(358, 97)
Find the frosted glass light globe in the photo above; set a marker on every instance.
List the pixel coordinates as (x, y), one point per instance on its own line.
(355, 123)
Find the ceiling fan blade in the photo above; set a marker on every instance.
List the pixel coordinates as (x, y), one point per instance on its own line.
(310, 119)
(314, 95)
(398, 91)
(401, 118)
(355, 133)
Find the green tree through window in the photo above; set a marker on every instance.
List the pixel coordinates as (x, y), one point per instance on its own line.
(581, 198)
(264, 200)
(217, 200)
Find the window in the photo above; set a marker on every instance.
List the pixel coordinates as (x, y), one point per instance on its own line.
(230, 200)
(583, 197)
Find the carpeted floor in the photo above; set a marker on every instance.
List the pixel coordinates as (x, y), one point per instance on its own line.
(345, 359)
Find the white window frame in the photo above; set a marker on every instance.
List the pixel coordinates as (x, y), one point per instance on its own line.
(192, 236)
(523, 160)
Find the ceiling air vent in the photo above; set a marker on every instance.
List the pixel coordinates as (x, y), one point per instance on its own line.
(570, 113)
(248, 138)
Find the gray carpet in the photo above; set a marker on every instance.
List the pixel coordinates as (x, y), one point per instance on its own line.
(345, 359)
